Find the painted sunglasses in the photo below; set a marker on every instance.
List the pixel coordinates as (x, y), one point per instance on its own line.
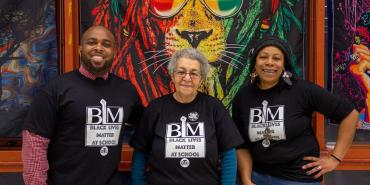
(219, 8)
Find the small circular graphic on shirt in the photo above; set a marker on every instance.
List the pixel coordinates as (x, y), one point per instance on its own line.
(266, 143)
(104, 151)
(184, 162)
(193, 116)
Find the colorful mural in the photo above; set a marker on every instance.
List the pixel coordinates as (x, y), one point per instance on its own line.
(350, 54)
(28, 57)
(150, 31)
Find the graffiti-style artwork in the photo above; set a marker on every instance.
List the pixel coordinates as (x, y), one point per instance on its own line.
(28, 57)
(351, 55)
(150, 31)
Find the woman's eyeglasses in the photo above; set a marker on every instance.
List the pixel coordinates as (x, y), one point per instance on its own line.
(219, 8)
(182, 74)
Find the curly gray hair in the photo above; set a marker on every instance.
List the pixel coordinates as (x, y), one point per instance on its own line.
(189, 53)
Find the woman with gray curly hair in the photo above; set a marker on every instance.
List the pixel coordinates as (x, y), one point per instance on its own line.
(186, 135)
(189, 53)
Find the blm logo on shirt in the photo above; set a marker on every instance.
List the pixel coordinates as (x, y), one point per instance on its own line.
(271, 117)
(185, 139)
(103, 124)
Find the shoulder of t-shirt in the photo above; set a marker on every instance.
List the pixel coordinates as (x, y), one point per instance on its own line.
(118, 80)
(212, 101)
(307, 86)
(242, 92)
(156, 104)
(208, 97)
(160, 100)
(62, 79)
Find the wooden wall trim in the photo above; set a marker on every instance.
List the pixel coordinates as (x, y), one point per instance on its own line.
(69, 34)
(316, 57)
(356, 159)
(11, 159)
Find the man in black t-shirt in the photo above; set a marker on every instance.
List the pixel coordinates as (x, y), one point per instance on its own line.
(73, 132)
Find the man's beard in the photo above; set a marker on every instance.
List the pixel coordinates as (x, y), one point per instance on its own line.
(105, 68)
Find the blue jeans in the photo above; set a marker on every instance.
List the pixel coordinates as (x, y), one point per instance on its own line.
(263, 179)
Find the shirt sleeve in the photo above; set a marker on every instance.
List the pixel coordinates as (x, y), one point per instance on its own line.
(42, 115)
(137, 109)
(228, 135)
(228, 167)
(331, 105)
(236, 116)
(139, 160)
(35, 164)
(143, 135)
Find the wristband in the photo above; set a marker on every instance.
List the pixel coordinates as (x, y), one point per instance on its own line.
(336, 158)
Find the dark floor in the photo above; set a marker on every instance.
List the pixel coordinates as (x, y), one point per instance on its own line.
(11, 179)
(348, 178)
(16, 179)
(334, 178)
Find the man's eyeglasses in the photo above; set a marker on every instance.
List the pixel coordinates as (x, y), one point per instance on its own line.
(219, 8)
(182, 74)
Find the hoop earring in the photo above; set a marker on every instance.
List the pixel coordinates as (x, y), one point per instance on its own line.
(253, 75)
(286, 77)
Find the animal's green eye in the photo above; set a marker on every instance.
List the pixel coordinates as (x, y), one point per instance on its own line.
(223, 8)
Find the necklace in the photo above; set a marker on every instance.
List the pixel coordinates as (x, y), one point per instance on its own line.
(266, 137)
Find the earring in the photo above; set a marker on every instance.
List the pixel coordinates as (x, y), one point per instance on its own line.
(253, 76)
(286, 77)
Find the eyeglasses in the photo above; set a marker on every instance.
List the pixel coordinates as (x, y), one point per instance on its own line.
(219, 8)
(182, 74)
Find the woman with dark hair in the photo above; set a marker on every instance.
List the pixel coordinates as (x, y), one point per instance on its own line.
(274, 115)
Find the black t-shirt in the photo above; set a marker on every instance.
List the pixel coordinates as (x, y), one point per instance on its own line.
(184, 141)
(84, 121)
(287, 113)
